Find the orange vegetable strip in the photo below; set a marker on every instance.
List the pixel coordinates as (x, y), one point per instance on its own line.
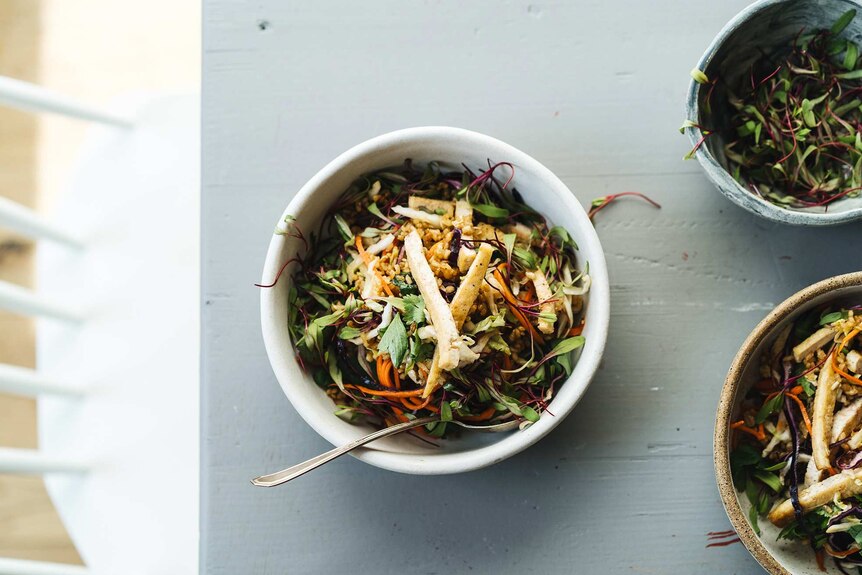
(383, 366)
(841, 554)
(366, 257)
(512, 302)
(577, 330)
(758, 433)
(382, 393)
(484, 416)
(803, 410)
(837, 369)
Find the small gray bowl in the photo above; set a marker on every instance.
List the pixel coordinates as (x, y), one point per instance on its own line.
(764, 27)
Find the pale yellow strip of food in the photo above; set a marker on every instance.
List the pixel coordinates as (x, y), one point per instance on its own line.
(844, 484)
(418, 203)
(812, 343)
(464, 298)
(822, 414)
(438, 309)
(543, 294)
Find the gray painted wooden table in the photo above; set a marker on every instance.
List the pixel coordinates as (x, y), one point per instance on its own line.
(593, 89)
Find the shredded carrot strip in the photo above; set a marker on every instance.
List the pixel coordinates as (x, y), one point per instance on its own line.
(382, 393)
(484, 416)
(758, 433)
(396, 377)
(841, 554)
(366, 257)
(820, 563)
(416, 404)
(797, 390)
(399, 414)
(803, 410)
(577, 330)
(383, 367)
(512, 302)
(837, 369)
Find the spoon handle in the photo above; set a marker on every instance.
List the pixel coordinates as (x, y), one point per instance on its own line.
(286, 475)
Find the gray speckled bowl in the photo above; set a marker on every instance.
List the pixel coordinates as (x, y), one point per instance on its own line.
(767, 25)
(779, 557)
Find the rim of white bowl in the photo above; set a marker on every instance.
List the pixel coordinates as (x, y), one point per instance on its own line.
(717, 173)
(280, 352)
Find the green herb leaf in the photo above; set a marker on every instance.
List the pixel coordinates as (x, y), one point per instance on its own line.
(530, 414)
(343, 228)
(856, 533)
(525, 257)
(414, 309)
(372, 208)
(852, 75)
(851, 56)
(777, 467)
(394, 340)
(445, 411)
(327, 320)
(348, 332)
(752, 518)
(509, 243)
(772, 406)
(833, 317)
(806, 386)
(405, 288)
(491, 211)
(842, 22)
(565, 346)
(769, 479)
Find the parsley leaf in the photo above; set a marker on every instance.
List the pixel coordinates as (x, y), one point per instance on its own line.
(394, 341)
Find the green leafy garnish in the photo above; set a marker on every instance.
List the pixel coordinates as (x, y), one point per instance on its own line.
(394, 340)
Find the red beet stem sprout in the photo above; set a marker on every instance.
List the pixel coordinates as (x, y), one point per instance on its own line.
(601, 203)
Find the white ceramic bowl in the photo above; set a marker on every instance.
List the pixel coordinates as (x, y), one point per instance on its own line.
(540, 188)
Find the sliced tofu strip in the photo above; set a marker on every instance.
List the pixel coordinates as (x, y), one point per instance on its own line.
(814, 342)
(466, 295)
(471, 285)
(438, 207)
(844, 484)
(523, 233)
(846, 420)
(418, 215)
(812, 474)
(854, 361)
(441, 317)
(463, 220)
(543, 293)
(821, 416)
(463, 213)
(855, 441)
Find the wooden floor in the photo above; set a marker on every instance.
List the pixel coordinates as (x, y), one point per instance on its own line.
(29, 525)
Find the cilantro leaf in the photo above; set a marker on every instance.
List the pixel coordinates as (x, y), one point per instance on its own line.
(394, 340)
(414, 309)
